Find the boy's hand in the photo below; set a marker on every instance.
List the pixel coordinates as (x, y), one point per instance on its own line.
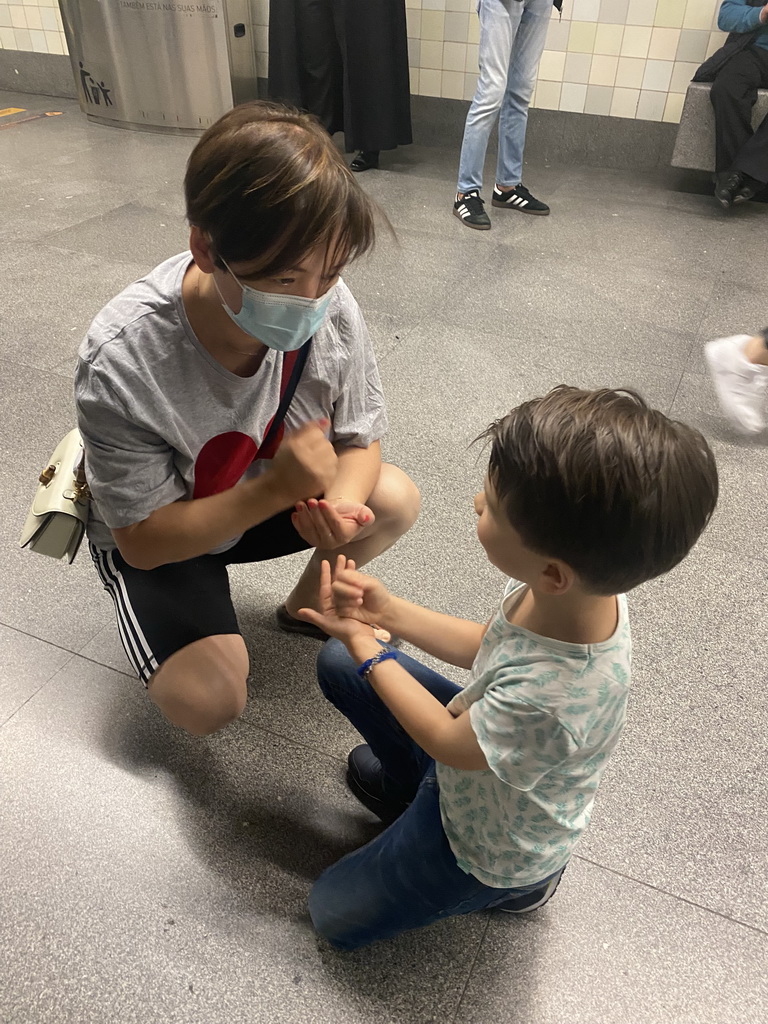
(330, 523)
(347, 623)
(305, 464)
(359, 595)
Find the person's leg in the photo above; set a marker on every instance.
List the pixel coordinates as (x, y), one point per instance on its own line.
(499, 20)
(524, 62)
(739, 369)
(320, 58)
(179, 629)
(402, 761)
(395, 503)
(752, 158)
(405, 878)
(733, 95)
(180, 632)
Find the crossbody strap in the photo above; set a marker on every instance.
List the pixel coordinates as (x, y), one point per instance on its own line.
(293, 367)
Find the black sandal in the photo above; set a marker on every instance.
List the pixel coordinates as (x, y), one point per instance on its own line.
(287, 623)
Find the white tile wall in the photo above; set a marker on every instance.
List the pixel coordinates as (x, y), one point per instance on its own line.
(32, 25)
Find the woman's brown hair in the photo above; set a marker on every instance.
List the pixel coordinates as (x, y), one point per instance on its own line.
(267, 185)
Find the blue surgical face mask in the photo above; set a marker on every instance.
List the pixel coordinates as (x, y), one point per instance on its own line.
(282, 322)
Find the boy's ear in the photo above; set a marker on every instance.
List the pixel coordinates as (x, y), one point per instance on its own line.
(200, 247)
(556, 578)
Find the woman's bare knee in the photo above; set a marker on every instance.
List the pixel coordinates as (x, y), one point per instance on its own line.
(395, 499)
(202, 687)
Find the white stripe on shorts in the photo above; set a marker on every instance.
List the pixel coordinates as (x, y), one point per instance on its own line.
(131, 634)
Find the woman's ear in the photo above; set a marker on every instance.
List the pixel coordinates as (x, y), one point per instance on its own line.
(556, 578)
(200, 246)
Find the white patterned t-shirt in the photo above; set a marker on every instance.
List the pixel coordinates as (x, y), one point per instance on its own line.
(547, 715)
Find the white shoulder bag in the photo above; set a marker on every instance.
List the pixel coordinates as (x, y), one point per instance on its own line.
(56, 522)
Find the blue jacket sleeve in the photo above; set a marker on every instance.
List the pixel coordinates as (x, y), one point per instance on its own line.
(737, 16)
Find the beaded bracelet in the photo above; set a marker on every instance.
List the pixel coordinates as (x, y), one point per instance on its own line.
(366, 667)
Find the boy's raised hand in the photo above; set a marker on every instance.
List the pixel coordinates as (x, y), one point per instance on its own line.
(360, 595)
(342, 618)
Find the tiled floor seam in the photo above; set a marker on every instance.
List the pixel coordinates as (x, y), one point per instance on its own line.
(42, 640)
(42, 686)
(674, 896)
(470, 972)
(335, 758)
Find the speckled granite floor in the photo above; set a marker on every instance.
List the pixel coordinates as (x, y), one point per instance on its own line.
(147, 876)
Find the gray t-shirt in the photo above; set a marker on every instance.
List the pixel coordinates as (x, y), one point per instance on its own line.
(162, 420)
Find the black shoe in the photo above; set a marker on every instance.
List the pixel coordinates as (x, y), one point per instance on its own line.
(520, 199)
(748, 189)
(364, 778)
(531, 900)
(288, 624)
(727, 184)
(470, 211)
(366, 160)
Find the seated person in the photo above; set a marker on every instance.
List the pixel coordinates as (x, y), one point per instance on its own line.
(488, 788)
(737, 71)
(179, 380)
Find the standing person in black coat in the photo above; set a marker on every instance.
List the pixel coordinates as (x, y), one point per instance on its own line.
(345, 61)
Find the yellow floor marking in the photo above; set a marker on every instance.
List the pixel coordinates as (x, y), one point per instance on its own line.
(11, 110)
(32, 117)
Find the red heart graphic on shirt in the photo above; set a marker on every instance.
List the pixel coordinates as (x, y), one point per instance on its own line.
(223, 460)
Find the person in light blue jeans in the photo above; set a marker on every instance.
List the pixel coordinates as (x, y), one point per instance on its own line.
(512, 37)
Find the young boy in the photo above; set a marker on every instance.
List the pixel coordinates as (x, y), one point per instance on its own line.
(489, 788)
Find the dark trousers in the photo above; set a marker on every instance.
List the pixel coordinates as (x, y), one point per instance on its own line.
(321, 41)
(407, 877)
(733, 95)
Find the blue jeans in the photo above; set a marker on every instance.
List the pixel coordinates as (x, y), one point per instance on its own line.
(512, 37)
(408, 876)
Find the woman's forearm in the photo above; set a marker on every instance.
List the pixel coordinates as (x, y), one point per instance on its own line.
(188, 529)
(357, 473)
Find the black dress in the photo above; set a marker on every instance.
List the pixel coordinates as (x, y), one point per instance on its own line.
(346, 62)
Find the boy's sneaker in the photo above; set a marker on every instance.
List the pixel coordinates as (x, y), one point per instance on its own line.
(364, 778)
(741, 386)
(520, 199)
(531, 900)
(469, 210)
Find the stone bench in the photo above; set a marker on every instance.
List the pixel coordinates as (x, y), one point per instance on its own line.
(695, 143)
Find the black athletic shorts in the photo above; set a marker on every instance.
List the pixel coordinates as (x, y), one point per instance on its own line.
(161, 610)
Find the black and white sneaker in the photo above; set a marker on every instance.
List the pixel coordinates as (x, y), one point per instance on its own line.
(470, 211)
(532, 900)
(519, 198)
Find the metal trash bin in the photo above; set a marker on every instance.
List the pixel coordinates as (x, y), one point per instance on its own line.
(160, 66)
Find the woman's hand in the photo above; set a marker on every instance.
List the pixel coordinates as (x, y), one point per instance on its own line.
(329, 523)
(305, 463)
(346, 622)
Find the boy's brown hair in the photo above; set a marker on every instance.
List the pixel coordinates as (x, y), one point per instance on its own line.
(268, 185)
(598, 479)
